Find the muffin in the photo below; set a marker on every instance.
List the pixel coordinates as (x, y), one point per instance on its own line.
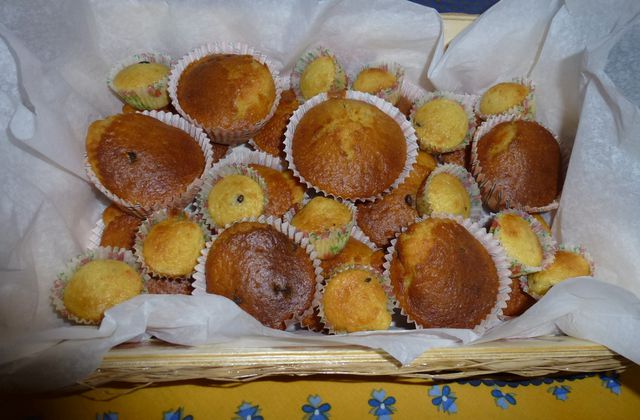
(328, 224)
(229, 95)
(450, 189)
(160, 286)
(282, 190)
(141, 81)
(355, 252)
(383, 81)
(510, 97)
(261, 269)
(316, 72)
(443, 276)
(169, 245)
(110, 213)
(381, 219)
(144, 162)
(270, 138)
(355, 300)
(327, 148)
(517, 164)
(460, 157)
(519, 301)
(567, 264)
(234, 196)
(121, 232)
(442, 124)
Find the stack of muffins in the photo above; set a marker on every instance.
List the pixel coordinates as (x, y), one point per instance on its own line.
(325, 200)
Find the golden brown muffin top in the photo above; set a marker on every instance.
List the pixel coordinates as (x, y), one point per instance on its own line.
(373, 80)
(281, 196)
(143, 160)
(518, 239)
(321, 214)
(443, 276)
(381, 219)
(354, 253)
(501, 97)
(521, 159)
(226, 91)
(263, 271)
(349, 148)
(566, 265)
(121, 232)
(270, 138)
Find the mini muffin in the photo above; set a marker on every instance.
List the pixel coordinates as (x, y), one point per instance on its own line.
(282, 190)
(383, 81)
(523, 246)
(270, 138)
(142, 160)
(517, 164)
(567, 264)
(236, 196)
(442, 276)
(381, 219)
(450, 189)
(262, 270)
(97, 286)
(519, 301)
(504, 97)
(143, 85)
(355, 252)
(355, 300)
(441, 124)
(317, 72)
(227, 92)
(328, 224)
(121, 232)
(329, 152)
(110, 213)
(170, 247)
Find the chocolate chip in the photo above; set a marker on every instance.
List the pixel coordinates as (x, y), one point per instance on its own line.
(237, 299)
(143, 62)
(408, 199)
(367, 280)
(240, 198)
(285, 290)
(132, 156)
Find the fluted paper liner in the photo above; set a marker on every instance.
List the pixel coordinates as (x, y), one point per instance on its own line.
(391, 94)
(340, 81)
(525, 109)
(384, 106)
(192, 189)
(411, 91)
(217, 134)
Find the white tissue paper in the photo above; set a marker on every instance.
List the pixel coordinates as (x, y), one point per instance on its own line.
(580, 54)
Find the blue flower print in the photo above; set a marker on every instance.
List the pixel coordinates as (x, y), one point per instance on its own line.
(316, 410)
(611, 382)
(444, 399)
(561, 392)
(382, 406)
(503, 400)
(175, 415)
(246, 411)
(107, 416)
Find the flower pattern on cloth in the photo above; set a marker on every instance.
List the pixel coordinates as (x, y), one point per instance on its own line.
(503, 400)
(316, 409)
(611, 382)
(561, 392)
(247, 411)
(175, 415)
(444, 399)
(381, 405)
(107, 416)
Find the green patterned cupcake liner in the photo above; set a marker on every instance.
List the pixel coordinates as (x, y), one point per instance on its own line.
(391, 94)
(526, 109)
(340, 81)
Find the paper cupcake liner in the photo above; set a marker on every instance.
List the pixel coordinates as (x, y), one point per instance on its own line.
(466, 101)
(384, 106)
(100, 253)
(340, 82)
(200, 281)
(221, 135)
(95, 236)
(547, 243)
(143, 232)
(527, 109)
(218, 172)
(411, 91)
(486, 187)
(391, 94)
(498, 255)
(329, 242)
(152, 96)
(468, 182)
(320, 289)
(177, 202)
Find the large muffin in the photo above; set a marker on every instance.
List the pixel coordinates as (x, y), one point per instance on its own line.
(143, 160)
(263, 271)
(520, 166)
(442, 276)
(226, 91)
(348, 148)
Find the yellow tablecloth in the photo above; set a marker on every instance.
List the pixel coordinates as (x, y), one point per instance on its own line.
(590, 396)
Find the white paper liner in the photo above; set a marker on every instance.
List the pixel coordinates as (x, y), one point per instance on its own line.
(547, 243)
(95, 236)
(153, 96)
(384, 106)
(526, 109)
(192, 189)
(476, 169)
(382, 280)
(468, 182)
(340, 82)
(411, 91)
(200, 281)
(391, 94)
(99, 253)
(498, 255)
(221, 135)
(143, 232)
(466, 101)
